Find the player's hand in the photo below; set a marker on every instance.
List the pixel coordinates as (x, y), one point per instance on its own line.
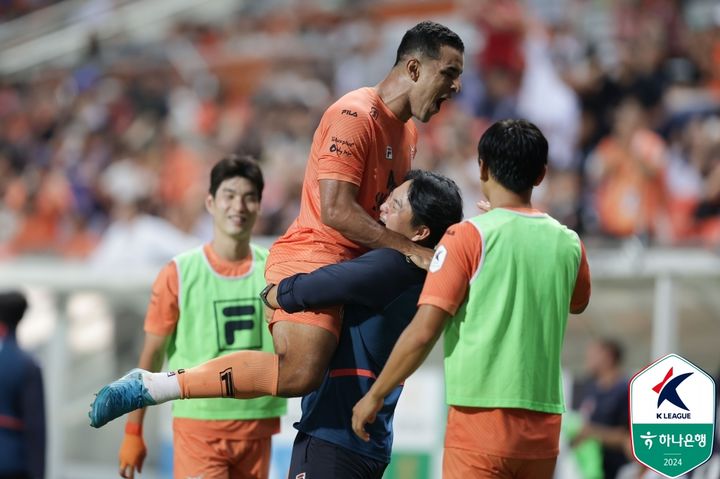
(483, 206)
(132, 455)
(421, 257)
(365, 412)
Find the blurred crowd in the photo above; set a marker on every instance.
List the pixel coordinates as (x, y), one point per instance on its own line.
(10, 9)
(118, 146)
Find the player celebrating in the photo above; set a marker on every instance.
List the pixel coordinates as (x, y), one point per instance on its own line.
(363, 145)
(361, 150)
(500, 285)
(204, 304)
(380, 290)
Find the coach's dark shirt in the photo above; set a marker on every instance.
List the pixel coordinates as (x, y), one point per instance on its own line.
(609, 407)
(22, 412)
(380, 290)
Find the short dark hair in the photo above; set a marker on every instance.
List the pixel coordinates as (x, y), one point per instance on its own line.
(435, 202)
(427, 38)
(237, 165)
(12, 308)
(515, 152)
(613, 348)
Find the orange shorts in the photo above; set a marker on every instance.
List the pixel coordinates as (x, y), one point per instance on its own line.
(463, 464)
(329, 319)
(212, 457)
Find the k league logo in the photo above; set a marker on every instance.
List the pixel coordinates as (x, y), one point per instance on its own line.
(672, 416)
(667, 391)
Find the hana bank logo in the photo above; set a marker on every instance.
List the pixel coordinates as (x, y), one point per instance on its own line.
(666, 439)
(667, 391)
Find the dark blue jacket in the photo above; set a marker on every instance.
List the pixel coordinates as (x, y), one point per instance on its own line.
(380, 290)
(610, 408)
(22, 412)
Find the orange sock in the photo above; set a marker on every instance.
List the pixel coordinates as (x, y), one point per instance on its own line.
(241, 375)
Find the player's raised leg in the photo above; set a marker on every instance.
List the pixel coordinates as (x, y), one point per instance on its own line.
(302, 354)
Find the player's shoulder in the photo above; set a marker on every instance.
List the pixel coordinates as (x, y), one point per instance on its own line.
(260, 253)
(464, 239)
(560, 233)
(465, 228)
(359, 105)
(564, 229)
(188, 254)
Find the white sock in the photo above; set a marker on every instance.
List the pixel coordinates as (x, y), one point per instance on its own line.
(163, 386)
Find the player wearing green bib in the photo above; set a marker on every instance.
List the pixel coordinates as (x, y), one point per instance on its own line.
(204, 305)
(237, 321)
(500, 286)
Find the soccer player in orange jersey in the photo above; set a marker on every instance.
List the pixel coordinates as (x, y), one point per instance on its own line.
(361, 150)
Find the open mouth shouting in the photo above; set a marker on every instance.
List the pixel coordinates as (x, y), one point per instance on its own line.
(439, 102)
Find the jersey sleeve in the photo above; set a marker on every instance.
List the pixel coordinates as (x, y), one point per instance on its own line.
(163, 312)
(581, 293)
(454, 264)
(343, 145)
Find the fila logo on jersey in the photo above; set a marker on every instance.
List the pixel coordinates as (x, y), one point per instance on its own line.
(438, 259)
(388, 153)
(349, 112)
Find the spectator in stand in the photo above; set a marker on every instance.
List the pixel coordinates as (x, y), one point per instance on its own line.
(627, 173)
(71, 120)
